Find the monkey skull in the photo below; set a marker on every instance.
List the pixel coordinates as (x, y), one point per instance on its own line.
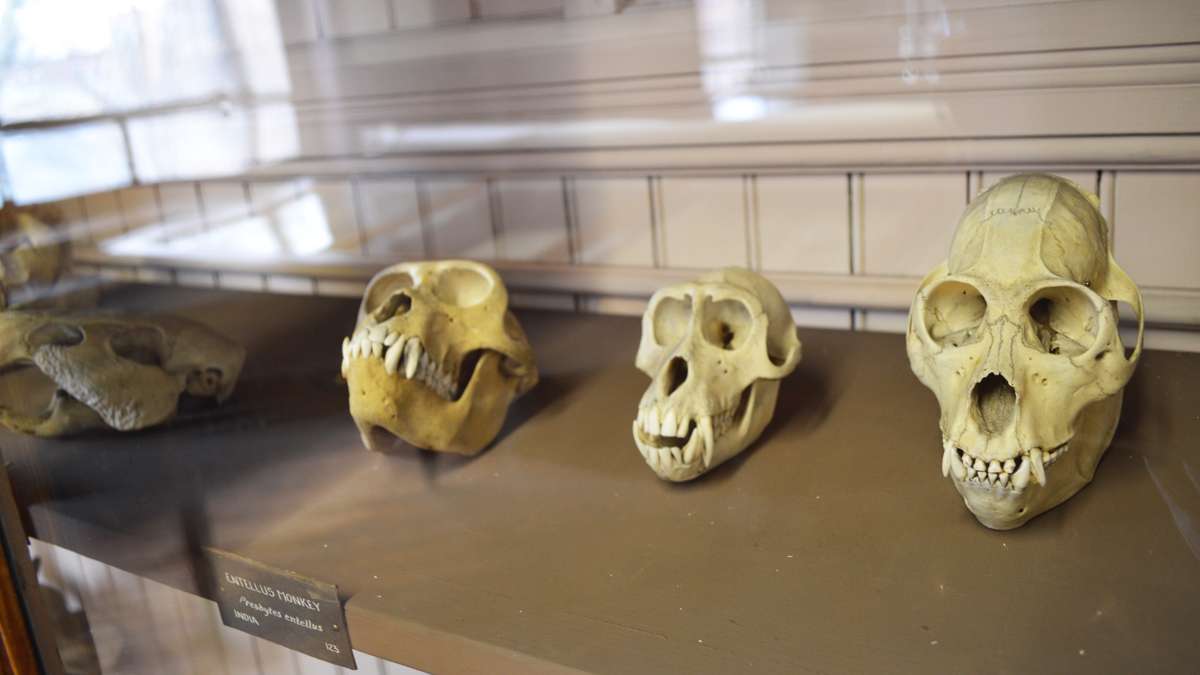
(1016, 335)
(715, 350)
(436, 357)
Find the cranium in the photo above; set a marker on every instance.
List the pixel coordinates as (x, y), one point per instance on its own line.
(31, 257)
(1016, 334)
(62, 374)
(436, 357)
(715, 350)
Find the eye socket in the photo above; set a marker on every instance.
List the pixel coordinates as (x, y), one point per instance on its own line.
(1064, 319)
(140, 344)
(953, 312)
(462, 287)
(671, 319)
(57, 334)
(726, 324)
(384, 290)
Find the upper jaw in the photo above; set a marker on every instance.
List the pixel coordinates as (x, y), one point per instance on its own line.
(404, 356)
(1010, 475)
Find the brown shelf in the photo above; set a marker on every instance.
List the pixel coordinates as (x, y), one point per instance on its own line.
(833, 546)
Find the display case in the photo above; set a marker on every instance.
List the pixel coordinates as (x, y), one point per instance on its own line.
(575, 336)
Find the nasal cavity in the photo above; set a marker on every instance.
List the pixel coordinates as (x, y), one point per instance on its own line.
(995, 402)
(674, 375)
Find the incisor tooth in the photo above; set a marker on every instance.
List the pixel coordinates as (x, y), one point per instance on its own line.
(392, 359)
(377, 349)
(664, 457)
(412, 356)
(668, 423)
(1021, 478)
(345, 355)
(652, 422)
(677, 455)
(689, 451)
(1039, 469)
(391, 338)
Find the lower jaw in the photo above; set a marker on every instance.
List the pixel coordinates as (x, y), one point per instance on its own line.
(662, 459)
(1004, 512)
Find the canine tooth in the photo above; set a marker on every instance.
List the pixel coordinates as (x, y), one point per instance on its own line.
(681, 427)
(1039, 469)
(677, 455)
(652, 422)
(1009, 466)
(708, 455)
(668, 424)
(967, 459)
(391, 338)
(412, 356)
(1004, 479)
(706, 435)
(652, 458)
(960, 471)
(392, 359)
(980, 466)
(947, 457)
(994, 467)
(1021, 478)
(345, 355)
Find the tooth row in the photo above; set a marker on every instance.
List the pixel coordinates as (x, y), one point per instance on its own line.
(670, 423)
(666, 458)
(400, 354)
(1013, 473)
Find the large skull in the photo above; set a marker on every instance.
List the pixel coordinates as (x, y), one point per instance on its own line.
(1016, 334)
(715, 350)
(62, 374)
(436, 357)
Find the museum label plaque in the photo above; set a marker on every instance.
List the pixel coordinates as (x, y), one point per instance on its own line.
(281, 606)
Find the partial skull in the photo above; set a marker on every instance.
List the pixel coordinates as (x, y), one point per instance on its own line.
(62, 374)
(32, 255)
(715, 350)
(1016, 335)
(436, 357)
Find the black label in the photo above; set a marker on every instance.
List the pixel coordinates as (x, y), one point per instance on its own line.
(281, 606)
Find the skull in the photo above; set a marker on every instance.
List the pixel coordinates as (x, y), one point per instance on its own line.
(715, 350)
(62, 374)
(436, 357)
(31, 257)
(1016, 334)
